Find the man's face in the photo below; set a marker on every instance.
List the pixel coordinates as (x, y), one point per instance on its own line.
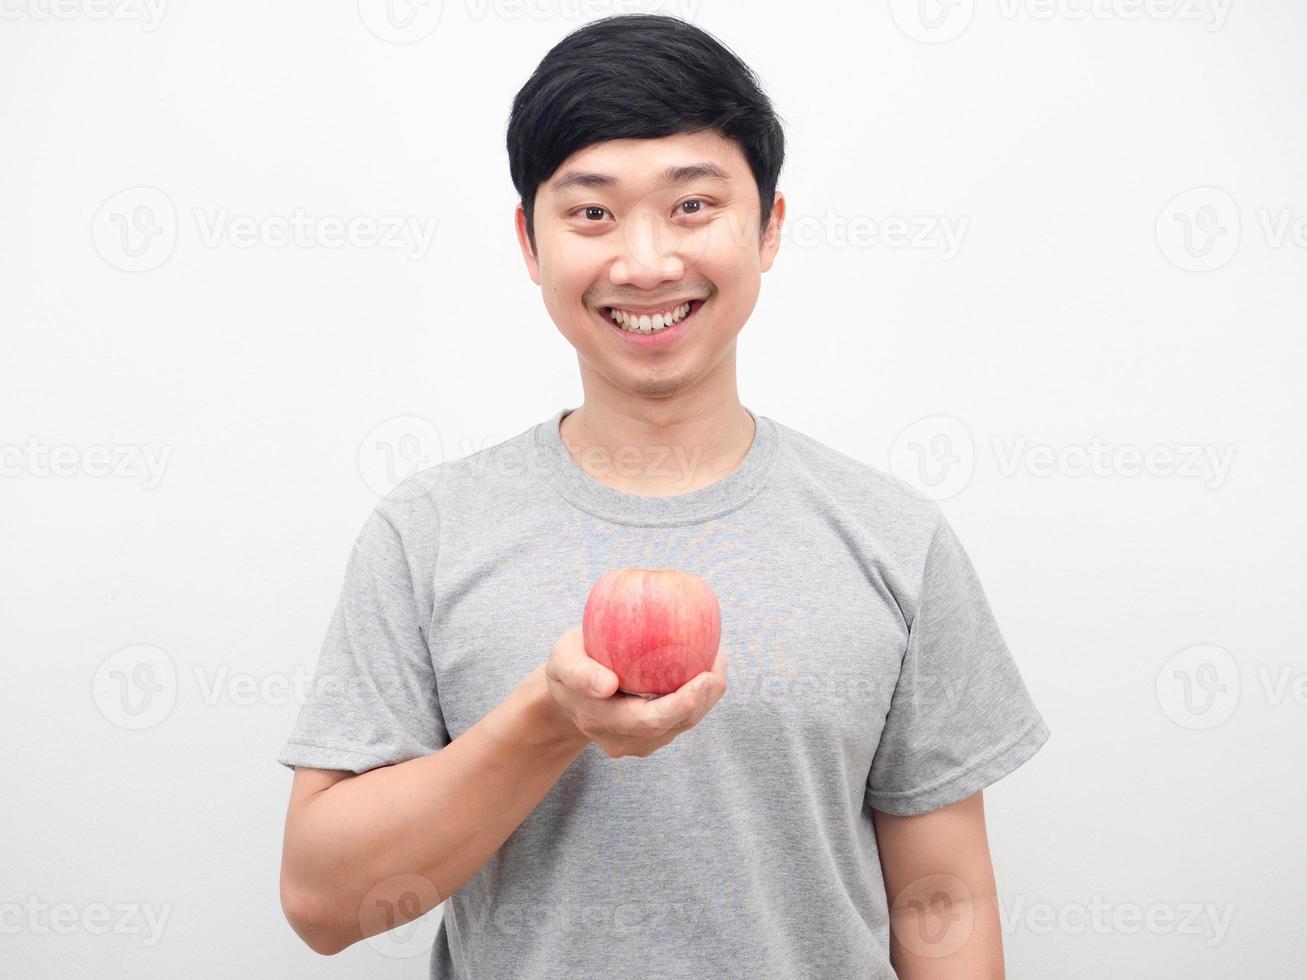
(643, 242)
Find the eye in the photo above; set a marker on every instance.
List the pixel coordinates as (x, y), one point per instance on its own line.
(589, 210)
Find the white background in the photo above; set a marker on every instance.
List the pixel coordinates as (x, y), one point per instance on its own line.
(1129, 180)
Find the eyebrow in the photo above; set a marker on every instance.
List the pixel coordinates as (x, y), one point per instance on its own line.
(682, 174)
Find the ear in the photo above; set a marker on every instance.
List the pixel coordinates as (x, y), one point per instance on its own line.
(771, 239)
(532, 263)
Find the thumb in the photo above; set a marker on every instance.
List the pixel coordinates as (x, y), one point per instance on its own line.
(600, 681)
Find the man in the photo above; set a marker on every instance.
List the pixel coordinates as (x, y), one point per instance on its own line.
(822, 820)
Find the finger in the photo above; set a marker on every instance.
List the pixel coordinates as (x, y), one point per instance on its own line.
(577, 671)
(721, 662)
(680, 709)
(591, 678)
(562, 659)
(713, 679)
(600, 681)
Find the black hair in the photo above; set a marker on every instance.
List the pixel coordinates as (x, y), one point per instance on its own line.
(638, 76)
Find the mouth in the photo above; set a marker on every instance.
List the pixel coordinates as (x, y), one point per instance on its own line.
(653, 338)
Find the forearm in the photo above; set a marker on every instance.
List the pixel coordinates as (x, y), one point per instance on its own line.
(438, 817)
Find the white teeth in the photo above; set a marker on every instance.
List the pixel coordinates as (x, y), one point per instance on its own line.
(649, 324)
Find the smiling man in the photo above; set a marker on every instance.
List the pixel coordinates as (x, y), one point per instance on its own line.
(650, 252)
(820, 815)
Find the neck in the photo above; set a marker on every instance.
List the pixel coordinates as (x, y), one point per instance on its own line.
(658, 447)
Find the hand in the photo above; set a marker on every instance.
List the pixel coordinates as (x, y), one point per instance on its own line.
(586, 694)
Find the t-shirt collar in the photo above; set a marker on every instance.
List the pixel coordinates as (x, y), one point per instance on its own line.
(600, 500)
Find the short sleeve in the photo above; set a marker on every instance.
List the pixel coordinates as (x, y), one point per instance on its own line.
(373, 701)
(960, 717)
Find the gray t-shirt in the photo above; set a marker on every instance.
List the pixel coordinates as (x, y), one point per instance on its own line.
(866, 670)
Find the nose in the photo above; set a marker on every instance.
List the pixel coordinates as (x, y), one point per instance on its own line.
(650, 252)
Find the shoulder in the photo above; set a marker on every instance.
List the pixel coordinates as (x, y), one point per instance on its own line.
(468, 487)
(882, 500)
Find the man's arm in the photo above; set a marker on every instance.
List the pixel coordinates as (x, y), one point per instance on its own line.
(406, 837)
(366, 853)
(939, 879)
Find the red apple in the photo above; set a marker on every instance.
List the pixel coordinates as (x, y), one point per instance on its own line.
(655, 628)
